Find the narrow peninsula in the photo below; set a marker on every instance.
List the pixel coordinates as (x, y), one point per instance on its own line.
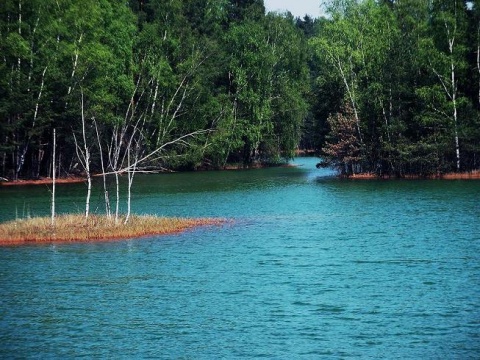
(77, 228)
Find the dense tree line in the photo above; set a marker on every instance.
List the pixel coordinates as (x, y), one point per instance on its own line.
(398, 84)
(178, 83)
(386, 86)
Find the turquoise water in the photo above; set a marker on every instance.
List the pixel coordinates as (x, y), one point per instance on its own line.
(311, 267)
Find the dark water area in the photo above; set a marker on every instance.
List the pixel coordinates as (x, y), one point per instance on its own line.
(311, 267)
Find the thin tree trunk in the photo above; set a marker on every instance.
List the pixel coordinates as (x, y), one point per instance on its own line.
(87, 164)
(454, 103)
(450, 88)
(26, 145)
(113, 158)
(83, 155)
(451, 43)
(117, 199)
(478, 60)
(105, 190)
(165, 112)
(75, 63)
(457, 143)
(53, 177)
(130, 175)
(351, 95)
(19, 60)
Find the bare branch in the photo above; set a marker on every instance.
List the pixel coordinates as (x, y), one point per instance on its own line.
(151, 155)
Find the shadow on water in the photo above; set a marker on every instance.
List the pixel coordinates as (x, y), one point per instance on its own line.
(442, 188)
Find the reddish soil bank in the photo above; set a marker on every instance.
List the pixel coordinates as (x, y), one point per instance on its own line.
(474, 175)
(456, 176)
(106, 238)
(42, 181)
(95, 228)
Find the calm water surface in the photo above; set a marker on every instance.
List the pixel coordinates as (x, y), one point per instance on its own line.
(311, 267)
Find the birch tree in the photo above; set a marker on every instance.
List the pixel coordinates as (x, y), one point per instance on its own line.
(353, 49)
(53, 177)
(445, 53)
(26, 30)
(84, 156)
(251, 67)
(104, 175)
(340, 44)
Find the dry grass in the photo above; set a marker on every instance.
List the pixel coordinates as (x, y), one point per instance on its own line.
(77, 228)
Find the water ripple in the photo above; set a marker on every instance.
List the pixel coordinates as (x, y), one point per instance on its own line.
(308, 269)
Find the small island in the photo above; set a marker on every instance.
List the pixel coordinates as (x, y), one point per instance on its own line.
(78, 228)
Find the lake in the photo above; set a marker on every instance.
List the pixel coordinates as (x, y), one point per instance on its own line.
(310, 267)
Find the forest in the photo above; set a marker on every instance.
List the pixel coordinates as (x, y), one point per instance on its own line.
(390, 87)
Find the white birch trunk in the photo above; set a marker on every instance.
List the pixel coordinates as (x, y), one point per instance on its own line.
(454, 102)
(449, 84)
(75, 63)
(104, 176)
(23, 152)
(87, 164)
(117, 198)
(19, 60)
(351, 95)
(455, 120)
(130, 181)
(83, 154)
(114, 156)
(53, 177)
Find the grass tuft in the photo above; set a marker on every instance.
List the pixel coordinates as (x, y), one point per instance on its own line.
(75, 227)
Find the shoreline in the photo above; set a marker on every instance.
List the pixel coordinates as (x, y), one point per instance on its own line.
(75, 228)
(78, 179)
(472, 175)
(43, 181)
(468, 175)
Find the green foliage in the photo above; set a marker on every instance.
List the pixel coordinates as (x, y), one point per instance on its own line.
(242, 85)
(146, 73)
(405, 68)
